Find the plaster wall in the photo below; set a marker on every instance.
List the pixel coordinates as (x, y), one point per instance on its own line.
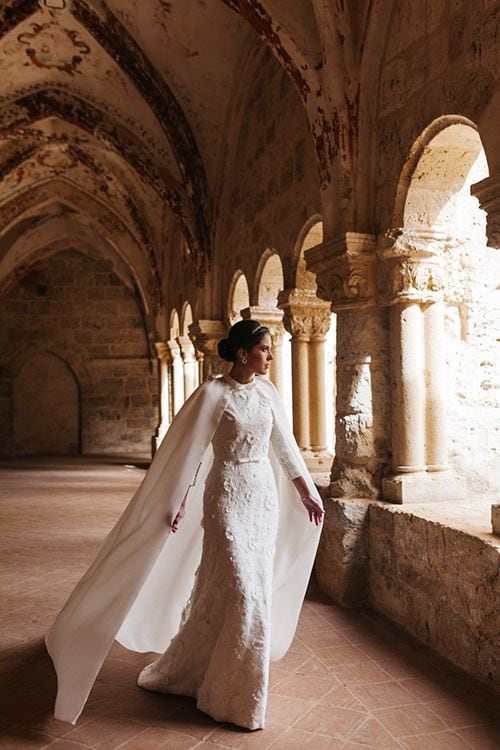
(73, 309)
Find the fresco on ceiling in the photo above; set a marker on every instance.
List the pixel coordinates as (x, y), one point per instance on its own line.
(51, 47)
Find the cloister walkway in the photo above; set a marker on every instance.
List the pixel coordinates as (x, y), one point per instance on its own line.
(351, 680)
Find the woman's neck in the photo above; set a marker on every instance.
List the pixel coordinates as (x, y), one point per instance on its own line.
(242, 374)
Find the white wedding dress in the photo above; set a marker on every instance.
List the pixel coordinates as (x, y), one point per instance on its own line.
(221, 653)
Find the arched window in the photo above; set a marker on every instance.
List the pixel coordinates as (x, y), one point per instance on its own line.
(239, 297)
(454, 369)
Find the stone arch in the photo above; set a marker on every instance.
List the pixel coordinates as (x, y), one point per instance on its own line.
(190, 209)
(27, 108)
(45, 406)
(269, 279)
(186, 318)
(442, 293)
(15, 358)
(310, 235)
(57, 198)
(444, 152)
(175, 326)
(239, 296)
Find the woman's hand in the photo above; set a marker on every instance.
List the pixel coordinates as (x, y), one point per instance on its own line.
(180, 515)
(313, 508)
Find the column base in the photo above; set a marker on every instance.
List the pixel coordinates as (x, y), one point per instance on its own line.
(424, 487)
(318, 461)
(495, 519)
(156, 440)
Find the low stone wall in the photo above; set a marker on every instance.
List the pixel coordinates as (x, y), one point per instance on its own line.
(439, 583)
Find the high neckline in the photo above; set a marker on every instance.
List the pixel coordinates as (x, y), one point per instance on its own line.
(236, 384)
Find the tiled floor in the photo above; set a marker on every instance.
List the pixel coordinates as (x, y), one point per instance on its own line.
(350, 681)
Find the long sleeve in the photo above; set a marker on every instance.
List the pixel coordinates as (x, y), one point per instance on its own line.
(284, 453)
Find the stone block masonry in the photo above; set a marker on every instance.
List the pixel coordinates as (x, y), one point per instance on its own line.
(73, 310)
(441, 584)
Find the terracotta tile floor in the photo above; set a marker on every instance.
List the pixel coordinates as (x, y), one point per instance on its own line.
(350, 681)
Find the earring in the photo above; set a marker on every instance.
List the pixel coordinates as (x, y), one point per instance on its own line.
(244, 360)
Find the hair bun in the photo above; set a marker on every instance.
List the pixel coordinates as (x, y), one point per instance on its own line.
(223, 349)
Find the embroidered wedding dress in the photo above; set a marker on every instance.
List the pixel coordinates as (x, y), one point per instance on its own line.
(221, 653)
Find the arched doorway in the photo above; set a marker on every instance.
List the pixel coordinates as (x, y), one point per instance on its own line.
(46, 407)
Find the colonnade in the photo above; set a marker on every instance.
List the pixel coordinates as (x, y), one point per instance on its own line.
(388, 295)
(179, 375)
(185, 361)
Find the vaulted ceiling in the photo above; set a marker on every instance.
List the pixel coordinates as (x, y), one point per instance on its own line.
(114, 117)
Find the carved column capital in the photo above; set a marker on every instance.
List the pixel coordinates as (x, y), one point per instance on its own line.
(187, 348)
(163, 352)
(410, 267)
(345, 270)
(175, 349)
(487, 192)
(206, 334)
(273, 319)
(305, 316)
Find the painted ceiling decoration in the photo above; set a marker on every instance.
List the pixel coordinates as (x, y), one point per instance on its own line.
(141, 94)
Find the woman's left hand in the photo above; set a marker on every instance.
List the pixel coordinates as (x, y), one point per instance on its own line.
(313, 508)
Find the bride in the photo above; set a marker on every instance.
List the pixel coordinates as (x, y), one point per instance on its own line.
(222, 597)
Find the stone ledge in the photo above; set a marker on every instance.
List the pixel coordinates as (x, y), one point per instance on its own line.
(495, 519)
(432, 568)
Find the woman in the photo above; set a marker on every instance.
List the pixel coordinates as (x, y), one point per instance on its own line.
(256, 553)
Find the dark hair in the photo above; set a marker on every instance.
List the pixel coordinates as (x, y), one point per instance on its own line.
(243, 335)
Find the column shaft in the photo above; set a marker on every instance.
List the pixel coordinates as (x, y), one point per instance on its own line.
(317, 412)
(300, 391)
(178, 381)
(407, 345)
(436, 453)
(276, 371)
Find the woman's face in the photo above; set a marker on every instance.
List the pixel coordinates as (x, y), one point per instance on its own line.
(260, 356)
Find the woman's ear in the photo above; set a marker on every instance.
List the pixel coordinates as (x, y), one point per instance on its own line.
(242, 355)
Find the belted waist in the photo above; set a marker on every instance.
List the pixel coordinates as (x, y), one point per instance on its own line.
(240, 460)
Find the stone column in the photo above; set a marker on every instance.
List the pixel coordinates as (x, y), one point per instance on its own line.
(164, 363)
(436, 451)
(190, 365)
(407, 356)
(317, 387)
(307, 318)
(345, 276)
(200, 360)
(273, 319)
(411, 282)
(177, 376)
(205, 335)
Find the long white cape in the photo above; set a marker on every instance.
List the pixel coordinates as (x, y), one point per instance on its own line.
(136, 588)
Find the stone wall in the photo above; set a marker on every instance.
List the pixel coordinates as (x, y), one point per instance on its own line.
(271, 185)
(440, 583)
(73, 310)
(441, 58)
